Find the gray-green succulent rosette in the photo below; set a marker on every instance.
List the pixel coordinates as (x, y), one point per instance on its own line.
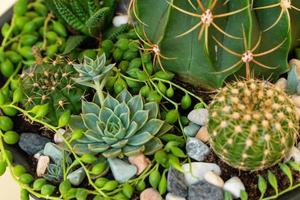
(123, 126)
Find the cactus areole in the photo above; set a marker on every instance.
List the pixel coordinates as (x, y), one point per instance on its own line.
(252, 125)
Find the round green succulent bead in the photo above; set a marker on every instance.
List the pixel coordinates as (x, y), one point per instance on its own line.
(252, 124)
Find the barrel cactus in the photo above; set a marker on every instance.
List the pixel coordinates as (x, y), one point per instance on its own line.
(52, 84)
(252, 124)
(122, 126)
(208, 41)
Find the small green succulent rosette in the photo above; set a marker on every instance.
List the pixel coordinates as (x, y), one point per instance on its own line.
(123, 126)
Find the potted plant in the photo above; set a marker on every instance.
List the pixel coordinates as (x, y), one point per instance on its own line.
(160, 100)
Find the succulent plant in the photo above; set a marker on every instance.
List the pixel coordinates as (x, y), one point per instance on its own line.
(88, 17)
(52, 84)
(121, 126)
(252, 124)
(207, 41)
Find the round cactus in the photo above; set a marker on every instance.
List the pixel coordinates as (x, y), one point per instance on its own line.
(252, 124)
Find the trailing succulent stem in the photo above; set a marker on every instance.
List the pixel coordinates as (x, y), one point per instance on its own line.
(261, 136)
(208, 41)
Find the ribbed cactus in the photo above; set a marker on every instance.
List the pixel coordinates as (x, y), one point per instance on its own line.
(208, 41)
(252, 124)
(52, 84)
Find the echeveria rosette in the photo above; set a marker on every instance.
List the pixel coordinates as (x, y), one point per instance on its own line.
(91, 71)
(122, 126)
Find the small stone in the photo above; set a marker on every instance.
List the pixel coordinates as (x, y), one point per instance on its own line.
(176, 183)
(53, 151)
(191, 130)
(76, 177)
(122, 171)
(298, 112)
(140, 161)
(234, 186)
(282, 84)
(150, 194)
(57, 137)
(295, 154)
(199, 116)
(171, 196)
(32, 143)
(120, 20)
(195, 171)
(42, 165)
(296, 100)
(196, 149)
(298, 145)
(203, 134)
(38, 155)
(205, 191)
(214, 179)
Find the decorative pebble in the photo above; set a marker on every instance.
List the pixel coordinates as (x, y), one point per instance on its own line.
(293, 78)
(214, 179)
(203, 134)
(176, 183)
(42, 165)
(199, 116)
(281, 83)
(140, 161)
(57, 137)
(120, 20)
(298, 112)
(234, 186)
(38, 155)
(295, 154)
(53, 151)
(150, 194)
(296, 100)
(122, 171)
(298, 145)
(191, 130)
(171, 196)
(203, 190)
(196, 149)
(76, 177)
(32, 143)
(195, 171)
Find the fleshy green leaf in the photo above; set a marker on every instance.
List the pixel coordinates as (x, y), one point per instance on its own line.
(125, 118)
(93, 136)
(152, 146)
(152, 126)
(121, 108)
(227, 196)
(287, 171)
(98, 147)
(135, 104)
(273, 181)
(76, 122)
(140, 139)
(262, 185)
(295, 166)
(73, 42)
(110, 102)
(140, 117)
(120, 144)
(153, 109)
(89, 107)
(81, 149)
(124, 96)
(164, 129)
(244, 195)
(110, 140)
(90, 121)
(105, 114)
(133, 150)
(133, 127)
(112, 153)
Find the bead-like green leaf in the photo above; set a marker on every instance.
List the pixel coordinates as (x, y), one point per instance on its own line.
(295, 166)
(273, 181)
(227, 196)
(244, 195)
(262, 185)
(287, 171)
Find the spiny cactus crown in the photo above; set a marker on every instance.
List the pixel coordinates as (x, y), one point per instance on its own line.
(252, 124)
(53, 84)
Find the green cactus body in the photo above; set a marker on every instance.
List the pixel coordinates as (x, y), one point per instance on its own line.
(209, 41)
(52, 84)
(252, 124)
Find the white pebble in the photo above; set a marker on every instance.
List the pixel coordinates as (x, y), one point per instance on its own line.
(214, 179)
(199, 116)
(140, 161)
(296, 100)
(120, 20)
(203, 134)
(295, 154)
(234, 186)
(150, 194)
(195, 171)
(57, 137)
(171, 196)
(42, 165)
